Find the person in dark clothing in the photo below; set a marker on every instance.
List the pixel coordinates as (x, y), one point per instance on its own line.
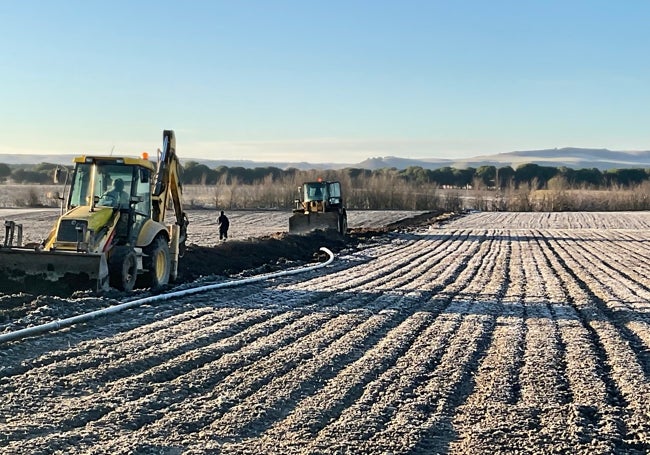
(116, 197)
(224, 224)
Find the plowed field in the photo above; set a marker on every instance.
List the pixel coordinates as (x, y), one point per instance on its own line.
(492, 333)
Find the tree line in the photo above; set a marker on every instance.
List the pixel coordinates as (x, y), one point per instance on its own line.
(37, 173)
(536, 175)
(528, 187)
(487, 176)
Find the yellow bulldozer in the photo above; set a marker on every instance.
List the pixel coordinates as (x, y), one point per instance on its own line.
(319, 206)
(111, 232)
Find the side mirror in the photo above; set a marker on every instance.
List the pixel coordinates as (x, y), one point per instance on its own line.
(57, 174)
(53, 195)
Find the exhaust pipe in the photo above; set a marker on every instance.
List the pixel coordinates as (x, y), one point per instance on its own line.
(11, 229)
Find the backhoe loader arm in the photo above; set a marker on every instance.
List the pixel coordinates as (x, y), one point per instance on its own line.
(168, 185)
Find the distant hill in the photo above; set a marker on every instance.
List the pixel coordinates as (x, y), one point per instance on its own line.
(67, 160)
(576, 158)
(35, 159)
(303, 165)
(572, 157)
(403, 163)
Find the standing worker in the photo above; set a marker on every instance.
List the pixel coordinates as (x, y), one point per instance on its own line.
(223, 223)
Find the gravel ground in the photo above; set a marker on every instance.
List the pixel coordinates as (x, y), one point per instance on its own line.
(490, 333)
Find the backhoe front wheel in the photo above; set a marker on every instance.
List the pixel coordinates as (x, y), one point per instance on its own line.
(157, 262)
(123, 268)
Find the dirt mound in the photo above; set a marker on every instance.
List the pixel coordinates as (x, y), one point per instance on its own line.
(277, 250)
(254, 255)
(270, 252)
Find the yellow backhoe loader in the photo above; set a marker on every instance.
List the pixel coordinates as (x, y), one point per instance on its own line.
(319, 206)
(111, 232)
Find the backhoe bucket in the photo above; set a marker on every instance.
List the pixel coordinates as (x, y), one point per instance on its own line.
(51, 272)
(301, 223)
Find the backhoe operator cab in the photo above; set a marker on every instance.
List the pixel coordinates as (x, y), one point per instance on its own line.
(123, 184)
(112, 230)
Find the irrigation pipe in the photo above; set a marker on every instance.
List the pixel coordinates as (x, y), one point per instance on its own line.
(54, 325)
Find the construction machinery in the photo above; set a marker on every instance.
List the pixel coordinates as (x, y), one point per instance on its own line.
(111, 231)
(320, 206)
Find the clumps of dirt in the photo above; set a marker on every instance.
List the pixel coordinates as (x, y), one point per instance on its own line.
(39, 284)
(41, 309)
(422, 220)
(270, 253)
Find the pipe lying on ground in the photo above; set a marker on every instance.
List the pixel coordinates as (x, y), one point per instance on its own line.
(54, 325)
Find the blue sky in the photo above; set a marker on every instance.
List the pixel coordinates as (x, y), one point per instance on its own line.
(328, 81)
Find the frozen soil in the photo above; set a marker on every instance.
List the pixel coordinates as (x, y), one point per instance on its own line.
(486, 333)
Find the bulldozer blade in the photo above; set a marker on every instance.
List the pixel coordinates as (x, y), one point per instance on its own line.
(51, 272)
(301, 223)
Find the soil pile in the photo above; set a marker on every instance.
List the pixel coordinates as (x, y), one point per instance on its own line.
(236, 256)
(276, 251)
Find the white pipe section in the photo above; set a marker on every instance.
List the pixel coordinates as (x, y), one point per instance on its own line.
(54, 325)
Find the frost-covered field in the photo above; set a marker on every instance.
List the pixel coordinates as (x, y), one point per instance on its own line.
(494, 333)
(203, 229)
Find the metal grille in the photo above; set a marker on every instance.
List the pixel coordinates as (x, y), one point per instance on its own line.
(68, 230)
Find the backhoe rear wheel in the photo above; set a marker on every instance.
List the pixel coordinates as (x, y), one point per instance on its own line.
(123, 268)
(157, 262)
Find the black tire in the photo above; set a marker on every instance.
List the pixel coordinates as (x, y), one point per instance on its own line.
(157, 262)
(123, 268)
(343, 224)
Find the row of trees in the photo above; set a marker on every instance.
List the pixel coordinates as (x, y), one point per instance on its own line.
(529, 187)
(38, 173)
(445, 177)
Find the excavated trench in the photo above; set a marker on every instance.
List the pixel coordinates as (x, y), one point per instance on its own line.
(253, 256)
(275, 251)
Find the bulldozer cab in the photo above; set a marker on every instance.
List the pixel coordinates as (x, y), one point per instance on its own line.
(327, 192)
(314, 191)
(320, 207)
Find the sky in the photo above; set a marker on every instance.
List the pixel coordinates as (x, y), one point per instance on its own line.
(323, 81)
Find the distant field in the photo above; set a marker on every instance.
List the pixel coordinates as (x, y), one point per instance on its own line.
(203, 226)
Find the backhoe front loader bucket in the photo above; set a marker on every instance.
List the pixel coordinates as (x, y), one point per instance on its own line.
(51, 272)
(302, 223)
